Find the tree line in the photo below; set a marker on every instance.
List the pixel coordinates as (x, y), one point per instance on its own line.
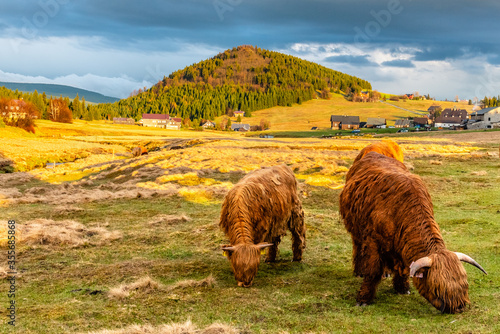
(20, 109)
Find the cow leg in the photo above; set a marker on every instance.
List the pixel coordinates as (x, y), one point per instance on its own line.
(372, 270)
(273, 250)
(356, 258)
(298, 229)
(400, 282)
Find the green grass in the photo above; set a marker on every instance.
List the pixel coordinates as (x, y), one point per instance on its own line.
(63, 289)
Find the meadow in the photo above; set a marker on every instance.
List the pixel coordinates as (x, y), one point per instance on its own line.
(317, 112)
(115, 244)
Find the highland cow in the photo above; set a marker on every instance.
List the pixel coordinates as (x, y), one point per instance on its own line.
(389, 213)
(385, 147)
(256, 214)
(389, 149)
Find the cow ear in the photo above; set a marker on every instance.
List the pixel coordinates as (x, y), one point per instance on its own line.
(264, 245)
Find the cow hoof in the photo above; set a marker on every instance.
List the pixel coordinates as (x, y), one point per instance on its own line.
(361, 304)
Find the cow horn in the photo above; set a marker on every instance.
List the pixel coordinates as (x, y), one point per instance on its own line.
(419, 264)
(468, 259)
(229, 248)
(261, 246)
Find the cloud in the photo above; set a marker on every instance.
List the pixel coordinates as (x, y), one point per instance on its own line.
(348, 59)
(399, 63)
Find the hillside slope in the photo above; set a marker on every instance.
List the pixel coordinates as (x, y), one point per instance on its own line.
(244, 78)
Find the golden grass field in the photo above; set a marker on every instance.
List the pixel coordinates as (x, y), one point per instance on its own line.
(109, 243)
(317, 112)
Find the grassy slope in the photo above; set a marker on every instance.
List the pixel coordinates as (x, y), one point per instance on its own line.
(317, 112)
(314, 296)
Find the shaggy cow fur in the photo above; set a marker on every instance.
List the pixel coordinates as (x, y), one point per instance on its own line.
(389, 213)
(256, 214)
(385, 147)
(389, 149)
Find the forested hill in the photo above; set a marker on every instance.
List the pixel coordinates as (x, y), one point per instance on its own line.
(245, 78)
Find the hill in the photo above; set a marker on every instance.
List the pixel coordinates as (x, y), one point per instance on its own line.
(59, 90)
(244, 78)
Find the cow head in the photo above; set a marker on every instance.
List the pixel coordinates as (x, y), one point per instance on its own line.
(441, 279)
(245, 260)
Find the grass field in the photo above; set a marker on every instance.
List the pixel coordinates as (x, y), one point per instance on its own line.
(107, 242)
(316, 113)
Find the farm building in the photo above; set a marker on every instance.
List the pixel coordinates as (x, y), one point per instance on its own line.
(344, 122)
(240, 127)
(403, 123)
(208, 125)
(448, 122)
(123, 120)
(374, 122)
(239, 113)
(455, 113)
(15, 109)
(161, 121)
(488, 118)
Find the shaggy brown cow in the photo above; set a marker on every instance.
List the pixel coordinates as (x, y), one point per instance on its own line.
(255, 215)
(389, 213)
(385, 147)
(389, 149)
(138, 151)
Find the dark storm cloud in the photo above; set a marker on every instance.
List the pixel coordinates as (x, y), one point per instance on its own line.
(441, 26)
(169, 34)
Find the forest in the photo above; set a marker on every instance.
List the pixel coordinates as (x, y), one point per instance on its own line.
(244, 78)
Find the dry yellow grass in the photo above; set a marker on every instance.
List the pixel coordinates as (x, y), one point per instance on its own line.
(143, 285)
(208, 282)
(174, 328)
(3, 272)
(59, 233)
(169, 219)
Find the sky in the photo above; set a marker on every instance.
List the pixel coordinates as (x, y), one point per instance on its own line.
(440, 47)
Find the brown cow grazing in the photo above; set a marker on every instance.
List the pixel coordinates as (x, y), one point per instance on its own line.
(389, 213)
(255, 215)
(385, 147)
(389, 149)
(138, 151)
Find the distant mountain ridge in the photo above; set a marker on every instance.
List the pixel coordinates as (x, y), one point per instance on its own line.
(58, 90)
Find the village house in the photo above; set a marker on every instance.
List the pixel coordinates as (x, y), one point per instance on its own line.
(208, 125)
(448, 122)
(161, 121)
(461, 114)
(403, 123)
(123, 120)
(488, 118)
(344, 122)
(240, 127)
(239, 113)
(374, 122)
(15, 109)
(409, 96)
(452, 118)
